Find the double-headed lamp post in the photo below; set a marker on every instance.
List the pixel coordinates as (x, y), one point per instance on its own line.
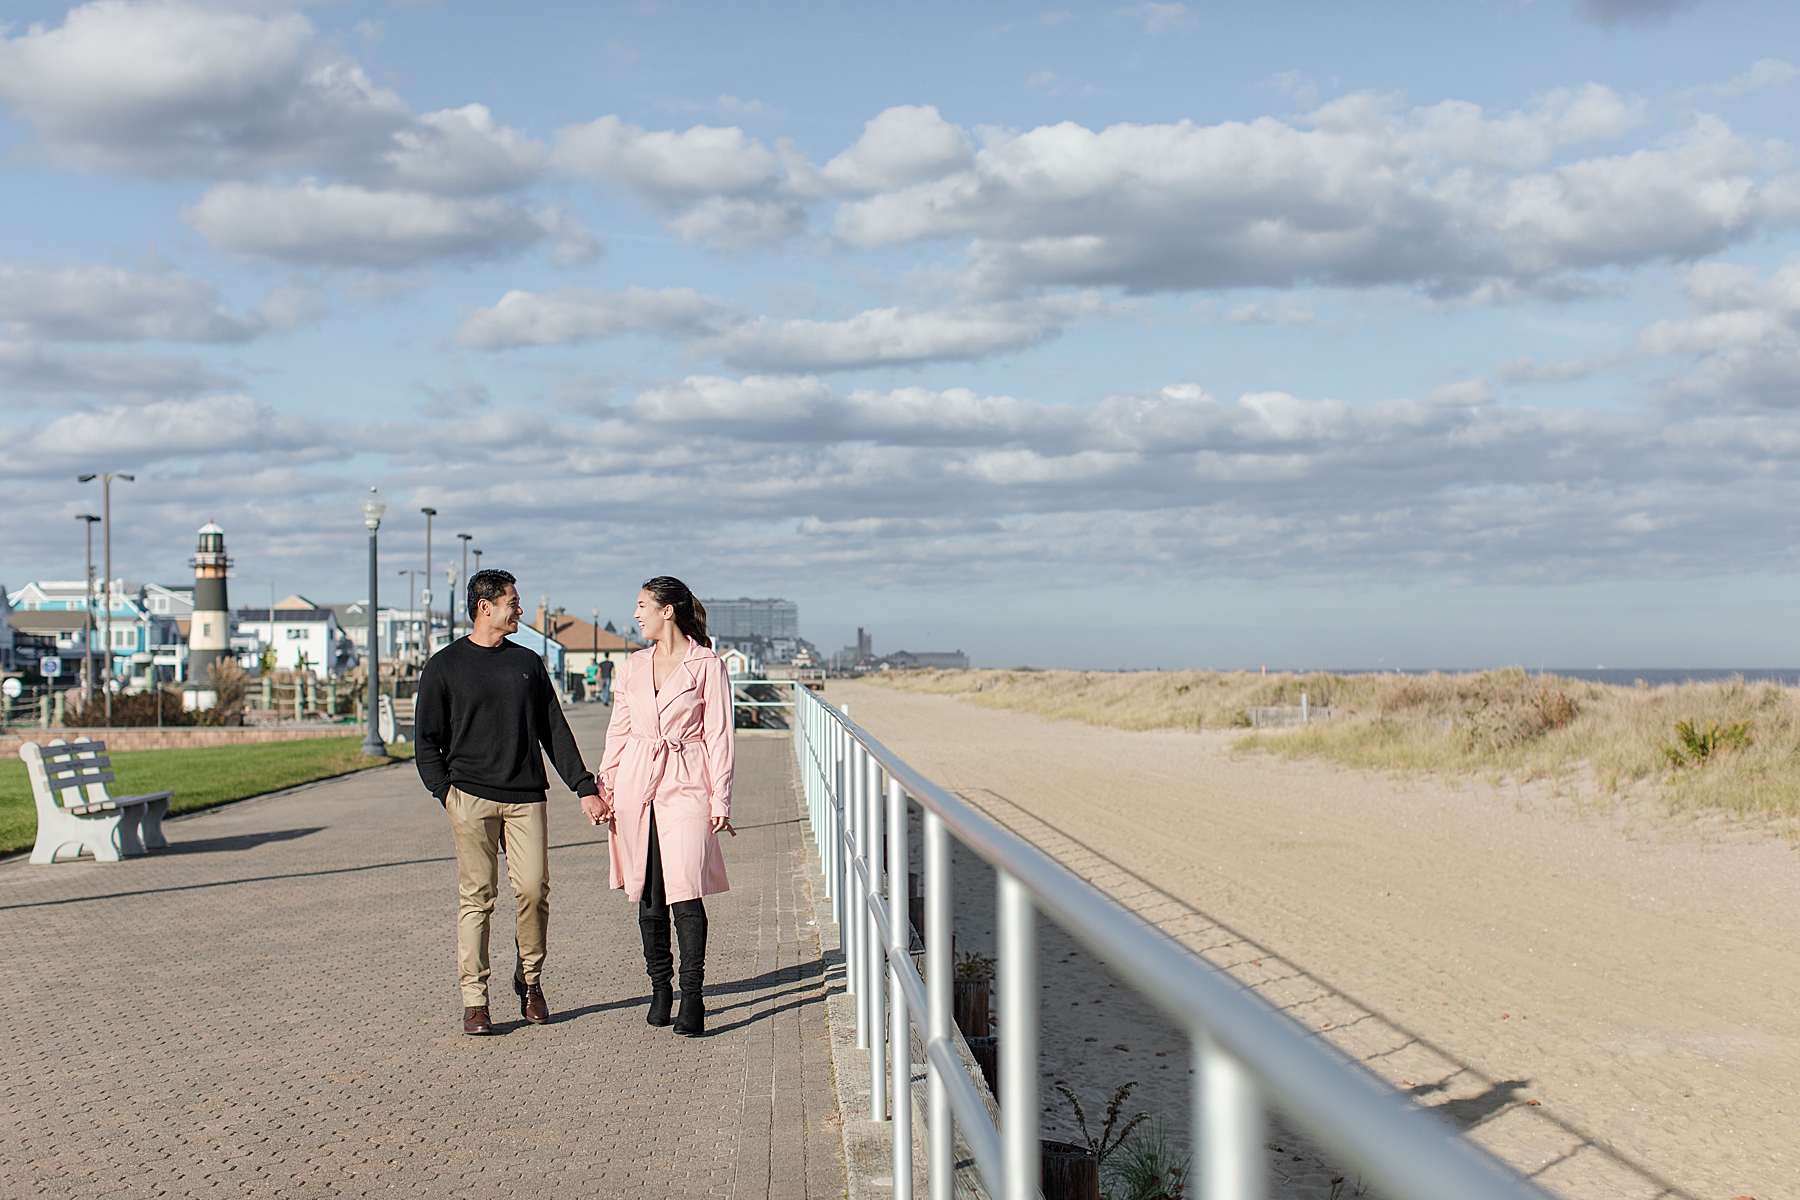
(87, 637)
(106, 478)
(373, 506)
(465, 539)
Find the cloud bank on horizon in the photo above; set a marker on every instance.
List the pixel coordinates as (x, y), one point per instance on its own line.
(1018, 330)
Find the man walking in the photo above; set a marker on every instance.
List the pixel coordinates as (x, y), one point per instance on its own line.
(485, 707)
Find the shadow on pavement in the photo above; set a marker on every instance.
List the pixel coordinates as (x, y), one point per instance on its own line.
(242, 841)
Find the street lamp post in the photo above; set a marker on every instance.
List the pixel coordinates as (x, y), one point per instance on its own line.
(477, 555)
(373, 506)
(596, 654)
(87, 637)
(450, 583)
(429, 513)
(412, 583)
(464, 538)
(106, 478)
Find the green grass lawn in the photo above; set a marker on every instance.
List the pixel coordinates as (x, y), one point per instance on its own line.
(200, 777)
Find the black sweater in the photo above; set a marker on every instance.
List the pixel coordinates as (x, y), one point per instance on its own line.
(481, 715)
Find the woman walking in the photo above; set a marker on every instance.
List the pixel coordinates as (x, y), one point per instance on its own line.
(665, 788)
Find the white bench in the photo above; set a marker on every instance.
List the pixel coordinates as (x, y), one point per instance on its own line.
(68, 782)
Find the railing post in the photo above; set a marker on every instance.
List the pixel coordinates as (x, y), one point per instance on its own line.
(855, 909)
(1228, 1125)
(1021, 1156)
(940, 1130)
(875, 955)
(899, 948)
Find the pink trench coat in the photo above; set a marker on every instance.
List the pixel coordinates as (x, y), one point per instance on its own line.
(673, 749)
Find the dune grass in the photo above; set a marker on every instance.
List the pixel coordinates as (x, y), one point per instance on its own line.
(201, 776)
(1727, 746)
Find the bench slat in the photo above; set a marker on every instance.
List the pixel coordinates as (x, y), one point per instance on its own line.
(79, 764)
(50, 748)
(60, 783)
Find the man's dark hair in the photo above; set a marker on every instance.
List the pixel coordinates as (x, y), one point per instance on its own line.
(489, 584)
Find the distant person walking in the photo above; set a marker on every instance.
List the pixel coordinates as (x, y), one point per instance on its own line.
(665, 786)
(485, 708)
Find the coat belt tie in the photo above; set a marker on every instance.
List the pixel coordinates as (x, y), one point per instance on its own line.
(661, 749)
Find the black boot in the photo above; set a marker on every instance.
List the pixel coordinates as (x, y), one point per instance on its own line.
(659, 964)
(690, 931)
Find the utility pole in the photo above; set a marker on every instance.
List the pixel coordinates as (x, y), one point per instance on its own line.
(464, 538)
(87, 637)
(106, 478)
(429, 513)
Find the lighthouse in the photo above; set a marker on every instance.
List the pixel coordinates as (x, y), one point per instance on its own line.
(209, 637)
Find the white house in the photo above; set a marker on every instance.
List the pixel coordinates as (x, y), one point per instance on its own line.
(302, 634)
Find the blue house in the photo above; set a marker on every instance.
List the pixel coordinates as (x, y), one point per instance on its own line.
(534, 640)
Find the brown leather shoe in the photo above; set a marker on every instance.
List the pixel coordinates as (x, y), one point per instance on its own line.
(532, 1005)
(476, 1021)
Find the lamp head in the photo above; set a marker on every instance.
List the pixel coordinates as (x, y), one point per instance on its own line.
(373, 506)
(122, 475)
(86, 478)
(90, 518)
(430, 512)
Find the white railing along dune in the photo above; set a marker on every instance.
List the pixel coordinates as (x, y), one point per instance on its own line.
(1247, 1055)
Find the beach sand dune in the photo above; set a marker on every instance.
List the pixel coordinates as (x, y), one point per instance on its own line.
(1608, 1006)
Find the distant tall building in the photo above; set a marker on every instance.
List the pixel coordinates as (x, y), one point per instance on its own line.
(747, 618)
(209, 637)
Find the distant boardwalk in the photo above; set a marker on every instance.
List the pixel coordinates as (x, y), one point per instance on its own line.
(270, 1009)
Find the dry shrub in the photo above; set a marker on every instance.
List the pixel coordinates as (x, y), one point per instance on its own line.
(1496, 723)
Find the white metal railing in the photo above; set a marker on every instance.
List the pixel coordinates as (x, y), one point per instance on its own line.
(1246, 1054)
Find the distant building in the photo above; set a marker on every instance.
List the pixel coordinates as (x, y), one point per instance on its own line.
(745, 618)
(590, 652)
(149, 621)
(941, 660)
(859, 657)
(300, 632)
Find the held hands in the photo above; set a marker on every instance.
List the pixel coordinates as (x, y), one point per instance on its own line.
(597, 811)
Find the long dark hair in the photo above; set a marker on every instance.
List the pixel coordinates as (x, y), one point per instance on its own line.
(690, 614)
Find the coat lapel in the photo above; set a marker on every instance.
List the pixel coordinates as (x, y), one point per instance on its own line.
(681, 679)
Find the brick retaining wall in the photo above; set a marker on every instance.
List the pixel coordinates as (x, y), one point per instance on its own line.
(171, 737)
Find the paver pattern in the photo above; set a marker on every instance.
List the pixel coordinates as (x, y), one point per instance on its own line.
(269, 1008)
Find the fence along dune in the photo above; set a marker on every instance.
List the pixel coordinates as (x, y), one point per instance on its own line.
(1726, 746)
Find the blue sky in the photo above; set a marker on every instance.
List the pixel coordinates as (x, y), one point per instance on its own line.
(1133, 335)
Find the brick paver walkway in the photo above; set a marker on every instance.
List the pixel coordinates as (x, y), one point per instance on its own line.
(270, 1009)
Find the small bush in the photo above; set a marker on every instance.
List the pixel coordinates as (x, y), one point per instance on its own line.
(1146, 1167)
(1693, 747)
(128, 711)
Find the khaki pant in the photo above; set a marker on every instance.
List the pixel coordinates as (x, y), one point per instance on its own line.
(479, 826)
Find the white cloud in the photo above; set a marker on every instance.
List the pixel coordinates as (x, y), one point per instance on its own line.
(1631, 12)
(1741, 333)
(459, 399)
(313, 224)
(1286, 312)
(726, 190)
(379, 287)
(899, 146)
(91, 303)
(462, 152)
(33, 374)
(157, 433)
(1568, 370)
(1160, 18)
(666, 166)
(1764, 75)
(162, 87)
(568, 316)
(710, 327)
(1442, 197)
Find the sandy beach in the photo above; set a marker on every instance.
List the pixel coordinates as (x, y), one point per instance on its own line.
(1605, 1000)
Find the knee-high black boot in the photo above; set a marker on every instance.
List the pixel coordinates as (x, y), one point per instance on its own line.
(690, 930)
(653, 924)
(659, 964)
